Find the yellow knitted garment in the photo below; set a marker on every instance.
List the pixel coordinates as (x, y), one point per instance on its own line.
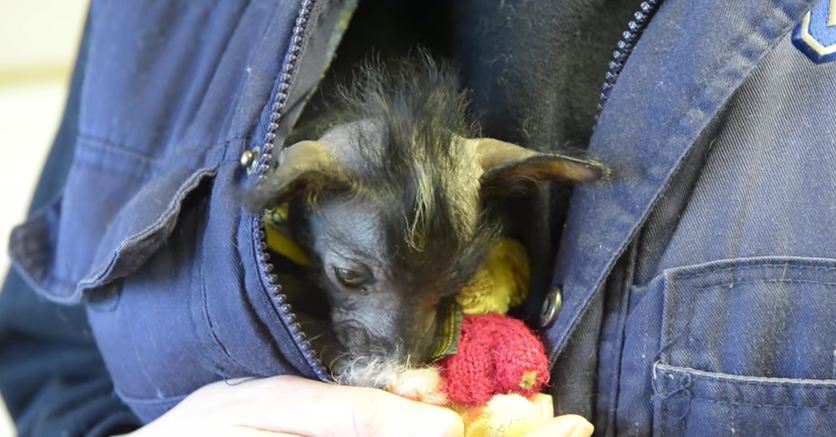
(278, 237)
(501, 282)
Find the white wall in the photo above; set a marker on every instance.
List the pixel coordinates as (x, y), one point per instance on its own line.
(38, 40)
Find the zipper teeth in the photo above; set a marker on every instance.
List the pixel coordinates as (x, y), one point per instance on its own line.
(625, 47)
(265, 155)
(285, 308)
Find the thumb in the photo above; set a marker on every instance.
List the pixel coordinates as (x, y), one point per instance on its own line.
(394, 416)
(567, 425)
(312, 408)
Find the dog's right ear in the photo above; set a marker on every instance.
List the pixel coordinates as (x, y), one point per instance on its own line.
(509, 168)
(304, 169)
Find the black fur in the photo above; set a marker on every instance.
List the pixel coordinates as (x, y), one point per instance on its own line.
(422, 107)
(401, 198)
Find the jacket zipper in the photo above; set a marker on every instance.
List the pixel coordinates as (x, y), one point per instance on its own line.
(259, 167)
(284, 308)
(625, 47)
(261, 163)
(263, 155)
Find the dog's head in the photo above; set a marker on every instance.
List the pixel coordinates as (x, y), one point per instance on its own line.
(397, 210)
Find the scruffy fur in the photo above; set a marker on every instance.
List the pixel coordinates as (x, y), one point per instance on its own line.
(389, 197)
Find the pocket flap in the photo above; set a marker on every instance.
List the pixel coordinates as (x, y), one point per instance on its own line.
(89, 237)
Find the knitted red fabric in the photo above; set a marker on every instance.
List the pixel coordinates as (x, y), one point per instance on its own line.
(497, 354)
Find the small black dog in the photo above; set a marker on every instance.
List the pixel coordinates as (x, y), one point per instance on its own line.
(398, 205)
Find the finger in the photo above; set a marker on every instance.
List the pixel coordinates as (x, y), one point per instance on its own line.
(311, 408)
(255, 432)
(567, 425)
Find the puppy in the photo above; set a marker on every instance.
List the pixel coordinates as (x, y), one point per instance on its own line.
(397, 201)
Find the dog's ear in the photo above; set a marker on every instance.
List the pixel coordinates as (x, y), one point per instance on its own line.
(305, 168)
(508, 168)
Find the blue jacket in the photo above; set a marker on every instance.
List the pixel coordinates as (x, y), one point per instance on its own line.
(698, 284)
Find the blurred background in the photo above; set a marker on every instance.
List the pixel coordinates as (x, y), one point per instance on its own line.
(38, 41)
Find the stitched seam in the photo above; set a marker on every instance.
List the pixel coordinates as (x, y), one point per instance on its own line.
(789, 263)
(755, 404)
(770, 281)
(212, 330)
(109, 145)
(121, 148)
(746, 380)
(148, 401)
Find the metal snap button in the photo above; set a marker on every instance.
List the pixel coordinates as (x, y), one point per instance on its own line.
(551, 306)
(249, 158)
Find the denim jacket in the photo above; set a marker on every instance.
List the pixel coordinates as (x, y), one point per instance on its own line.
(698, 284)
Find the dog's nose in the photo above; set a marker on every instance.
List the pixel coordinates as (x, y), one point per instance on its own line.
(353, 336)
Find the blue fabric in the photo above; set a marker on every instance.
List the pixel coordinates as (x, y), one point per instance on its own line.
(667, 95)
(720, 321)
(707, 261)
(52, 376)
(149, 230)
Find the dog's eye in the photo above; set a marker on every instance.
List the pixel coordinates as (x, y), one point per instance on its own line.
(353, 278)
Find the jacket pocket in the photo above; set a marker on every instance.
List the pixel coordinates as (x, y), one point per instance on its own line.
(748, 347)
(117, 210)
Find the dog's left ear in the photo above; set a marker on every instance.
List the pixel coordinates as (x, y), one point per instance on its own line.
(304, 169)
(507, 167)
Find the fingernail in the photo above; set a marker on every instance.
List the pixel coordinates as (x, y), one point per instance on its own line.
(582, 428)
(444, 423)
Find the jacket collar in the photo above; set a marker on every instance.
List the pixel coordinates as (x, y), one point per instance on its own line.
(689, 61)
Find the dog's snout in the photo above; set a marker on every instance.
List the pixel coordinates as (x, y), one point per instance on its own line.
(353, 335)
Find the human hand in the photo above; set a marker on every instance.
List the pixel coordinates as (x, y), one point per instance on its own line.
(290, 406)
(567, 425)
(534, 416)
